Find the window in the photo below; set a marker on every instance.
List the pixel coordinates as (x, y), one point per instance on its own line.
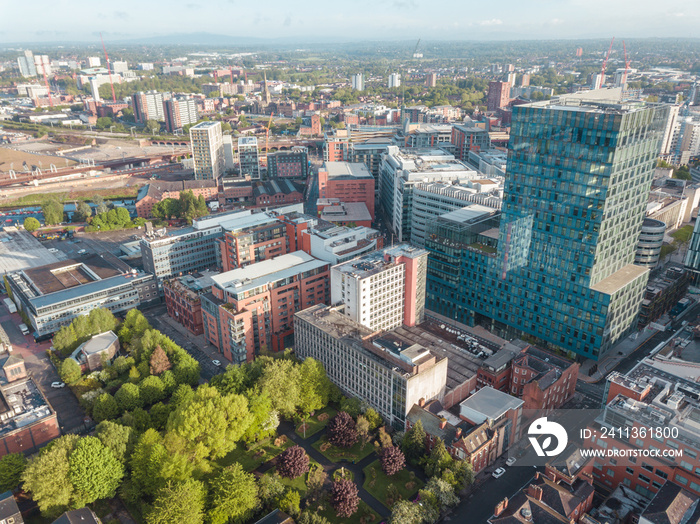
(644, 478)
(629, 471)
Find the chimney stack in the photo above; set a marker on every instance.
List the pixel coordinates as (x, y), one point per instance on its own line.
(501, 507)
(534, 491)
(443, 423)
(459, 433)
(421, 402)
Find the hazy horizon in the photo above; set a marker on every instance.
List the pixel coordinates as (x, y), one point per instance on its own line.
(364, 20)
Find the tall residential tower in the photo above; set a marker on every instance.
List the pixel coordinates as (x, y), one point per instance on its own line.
(562, 269)
(207, 150)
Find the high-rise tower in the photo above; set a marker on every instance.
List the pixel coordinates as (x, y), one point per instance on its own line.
(562, 269)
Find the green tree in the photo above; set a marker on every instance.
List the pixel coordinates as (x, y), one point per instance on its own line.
(65, 340)
(31, 224)
(374, 418)
(100, 205)
(94, 471)
(101, 320)
(70, 371)
(105, 408)
(128, 397)
(290, 502)
(413, 444)
(11, 468)
(406, 512)
(181, 502)
(182, 395)
(211, 423)
(315, 386)
(264, 418)
(152, 390)
(233, 496)
(152, 126)
(46, 477)
(120, 440)
(439, 459)
(146, 461)
(682, 173)
(103, 122)
(270, 489)
(280, 380)
(52, 210)
(82, 213)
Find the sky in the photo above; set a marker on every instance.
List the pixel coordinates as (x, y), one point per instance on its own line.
(353, 20)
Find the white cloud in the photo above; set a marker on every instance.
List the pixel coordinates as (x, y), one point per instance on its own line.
(556, 21)
(493, 21)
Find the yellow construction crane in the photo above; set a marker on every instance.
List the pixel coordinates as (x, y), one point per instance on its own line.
(267, 136)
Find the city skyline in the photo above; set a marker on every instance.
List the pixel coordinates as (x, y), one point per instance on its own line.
(392, 20)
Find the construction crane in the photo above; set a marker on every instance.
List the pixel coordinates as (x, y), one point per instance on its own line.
(46, 81)
(416, 54)
(627, 65)
(605, 64)
(109, 70)
(267, 136)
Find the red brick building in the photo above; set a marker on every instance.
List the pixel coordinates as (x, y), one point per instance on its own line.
(150, 194)
(251, 309)
(498, 95)
(348, 182)
(543, 380)
(277, 192)
(550, 497)
(182, 299)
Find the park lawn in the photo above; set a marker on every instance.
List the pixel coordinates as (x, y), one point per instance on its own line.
(336, 454)
(253, 458)
(298, 483)
(362, 510)
(379, 484)
(313, 425)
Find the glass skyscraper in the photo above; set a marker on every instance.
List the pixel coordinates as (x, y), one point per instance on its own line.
(561, 270)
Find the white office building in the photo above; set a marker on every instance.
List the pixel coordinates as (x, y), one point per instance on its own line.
(207, 144)
(394, 80)
(358, 82)
(400, 172)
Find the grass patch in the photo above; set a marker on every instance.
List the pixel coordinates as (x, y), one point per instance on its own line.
(667, 249)
(336, 454)
(298, 483)
(117, 193)
(257, 454)
(363, 515)
(377, 483)
(314, 425)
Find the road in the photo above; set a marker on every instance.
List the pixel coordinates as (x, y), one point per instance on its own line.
(594, 392)
(209, 370)
(478, 505)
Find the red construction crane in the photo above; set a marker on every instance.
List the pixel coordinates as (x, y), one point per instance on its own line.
(109, 70)
(627, 65)
(46, 81)
(605, 64)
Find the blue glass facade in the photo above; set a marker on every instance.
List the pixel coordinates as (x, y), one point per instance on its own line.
(562, 271)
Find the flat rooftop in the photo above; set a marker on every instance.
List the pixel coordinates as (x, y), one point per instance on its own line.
(20, 250)
(619, 279)
(25, 405)
(206, 125)
(489, 402)
(268, 271)
(347, 212)
(377, 261)
(346, 170)
(76, 272)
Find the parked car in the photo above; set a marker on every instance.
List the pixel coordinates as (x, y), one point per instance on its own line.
(82, 251)
(510, 461)
(216, 362)
(58, 385)
(498, 473)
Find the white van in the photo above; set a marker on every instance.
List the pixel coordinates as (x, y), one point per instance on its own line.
(24, 329)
